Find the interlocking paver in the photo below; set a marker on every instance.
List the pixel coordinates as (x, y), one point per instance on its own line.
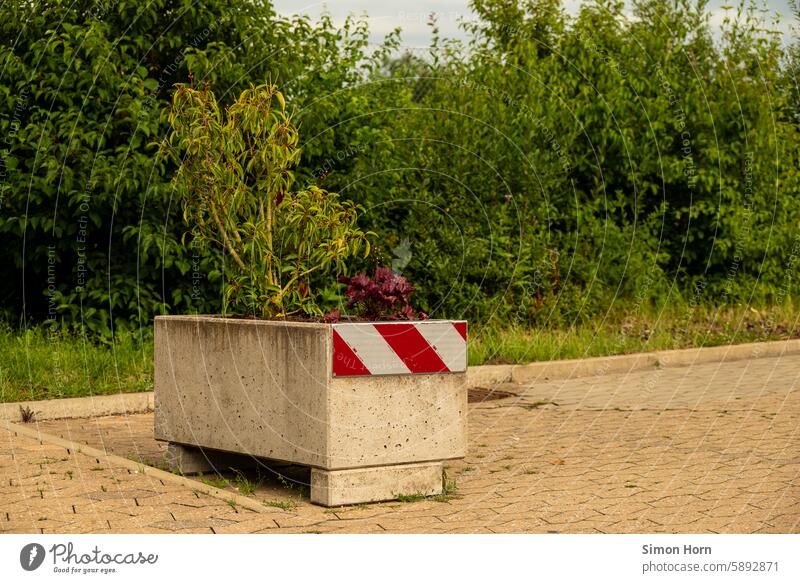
(707, 448)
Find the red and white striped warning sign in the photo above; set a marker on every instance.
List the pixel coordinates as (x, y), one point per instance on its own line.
(384, 348)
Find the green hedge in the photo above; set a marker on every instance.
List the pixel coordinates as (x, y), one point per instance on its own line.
(557, 165)
(544, 170)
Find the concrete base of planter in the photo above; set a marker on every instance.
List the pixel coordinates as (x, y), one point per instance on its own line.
(340, 487)
(184, 459)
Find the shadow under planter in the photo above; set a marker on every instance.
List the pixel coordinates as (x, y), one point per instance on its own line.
(372, 408)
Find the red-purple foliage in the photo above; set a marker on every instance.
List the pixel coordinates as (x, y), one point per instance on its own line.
(384, 296)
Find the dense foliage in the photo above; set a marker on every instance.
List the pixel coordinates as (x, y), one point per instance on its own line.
(90, 231)
(556, 165)
(545, 169)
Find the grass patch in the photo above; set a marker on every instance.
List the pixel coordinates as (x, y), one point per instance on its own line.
(216, 482)
(39, 364)
(621, 333)
(417, 497)
(26, 414)
(537, 405)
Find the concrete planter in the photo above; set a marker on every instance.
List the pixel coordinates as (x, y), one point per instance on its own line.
(373, 409)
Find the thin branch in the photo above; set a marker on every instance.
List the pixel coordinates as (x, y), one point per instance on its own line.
(225, 238)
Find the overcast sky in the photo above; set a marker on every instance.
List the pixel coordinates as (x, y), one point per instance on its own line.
(412, 15)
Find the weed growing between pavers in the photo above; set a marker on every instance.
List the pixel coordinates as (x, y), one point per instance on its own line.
(27, 414)
(417, 497)
(282, 504)
(260, 485)
(245, 486)
(220, 483)
(449, 492)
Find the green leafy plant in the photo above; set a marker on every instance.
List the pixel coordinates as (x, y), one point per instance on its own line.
(236, 182)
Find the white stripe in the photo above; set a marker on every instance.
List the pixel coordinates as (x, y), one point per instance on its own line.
(447, 342)
(371, 349)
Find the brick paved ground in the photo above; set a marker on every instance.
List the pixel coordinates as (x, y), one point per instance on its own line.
(709, 448)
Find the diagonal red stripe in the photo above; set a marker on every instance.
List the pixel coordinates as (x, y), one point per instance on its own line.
(411, 347)
(345, 361)
(462, 329)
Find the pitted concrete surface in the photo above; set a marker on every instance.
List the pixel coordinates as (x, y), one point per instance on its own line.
(707, 448)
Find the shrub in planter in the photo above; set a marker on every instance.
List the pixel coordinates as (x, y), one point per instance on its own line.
(235, 180)
(373, 407)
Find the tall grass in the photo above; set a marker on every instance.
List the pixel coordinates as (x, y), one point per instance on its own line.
(42, 364)
(672, 328)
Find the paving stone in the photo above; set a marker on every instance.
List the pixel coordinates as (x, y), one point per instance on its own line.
(706, 448)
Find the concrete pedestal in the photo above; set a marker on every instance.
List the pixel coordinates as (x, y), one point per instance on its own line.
(340, 487)
(184, 459)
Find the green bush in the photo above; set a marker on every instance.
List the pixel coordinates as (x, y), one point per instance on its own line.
(555, 165)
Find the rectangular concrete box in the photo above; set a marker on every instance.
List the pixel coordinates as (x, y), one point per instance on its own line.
(268, 389)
